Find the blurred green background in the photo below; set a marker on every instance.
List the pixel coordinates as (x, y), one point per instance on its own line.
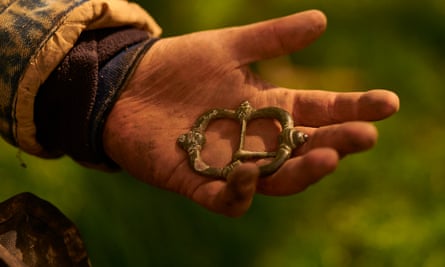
(385, 207)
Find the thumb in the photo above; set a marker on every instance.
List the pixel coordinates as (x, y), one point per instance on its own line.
(275, 37)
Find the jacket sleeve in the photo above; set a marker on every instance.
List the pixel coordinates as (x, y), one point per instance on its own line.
(35, 36)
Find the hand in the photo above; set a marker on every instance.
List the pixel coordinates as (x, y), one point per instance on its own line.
(182, 77)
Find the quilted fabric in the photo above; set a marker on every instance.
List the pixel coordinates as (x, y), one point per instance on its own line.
(35, 36)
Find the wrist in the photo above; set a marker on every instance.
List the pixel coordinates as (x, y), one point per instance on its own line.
(74, 102)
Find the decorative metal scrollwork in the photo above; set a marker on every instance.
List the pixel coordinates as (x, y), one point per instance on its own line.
(193, 142)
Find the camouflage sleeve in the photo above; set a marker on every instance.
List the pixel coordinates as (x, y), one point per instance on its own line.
(72, 105)
(35, 36)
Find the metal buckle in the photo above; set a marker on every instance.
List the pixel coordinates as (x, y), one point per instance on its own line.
(289, 139)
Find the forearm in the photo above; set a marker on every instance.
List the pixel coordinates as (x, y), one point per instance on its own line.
(37, 111)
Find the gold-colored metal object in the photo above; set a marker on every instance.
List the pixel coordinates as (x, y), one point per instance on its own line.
(289, 139)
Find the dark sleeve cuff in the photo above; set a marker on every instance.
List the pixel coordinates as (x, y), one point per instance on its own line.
(72, 105)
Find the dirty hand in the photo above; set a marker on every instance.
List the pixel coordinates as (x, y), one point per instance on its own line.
(182, 77)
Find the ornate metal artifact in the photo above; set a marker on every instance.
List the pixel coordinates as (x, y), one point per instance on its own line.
(289, 139)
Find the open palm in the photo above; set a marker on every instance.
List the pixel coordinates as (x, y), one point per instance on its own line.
(182, 77)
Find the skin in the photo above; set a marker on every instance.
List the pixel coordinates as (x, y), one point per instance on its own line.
(182, 77)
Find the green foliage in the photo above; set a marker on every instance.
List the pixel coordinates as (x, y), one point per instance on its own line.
(385, 207)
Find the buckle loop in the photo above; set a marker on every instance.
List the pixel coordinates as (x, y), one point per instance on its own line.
(194, 140)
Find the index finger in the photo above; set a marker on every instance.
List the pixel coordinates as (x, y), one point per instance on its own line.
(317, 108)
